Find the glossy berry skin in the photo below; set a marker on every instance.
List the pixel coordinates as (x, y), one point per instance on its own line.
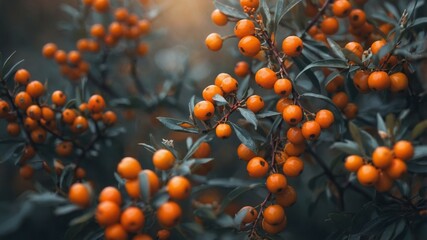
(404, 150)
(367, 175)
(292, 46)
(169, 214)
(249, 46)
(255, 103)
(324, 118)
(204, 110)
(292, 114)
(265, 78)
(293, 167)
(214, 42)
(223, 130)
(353, 163)
(378, 81)
(257, 167)
(274, 214)
(276, 183)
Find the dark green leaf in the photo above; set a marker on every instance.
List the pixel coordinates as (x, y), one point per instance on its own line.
(268, 114)
(148, 147)
(67, 176)
(277, 13)
(225, 220)
(336, 49)
(287, 8)
(348, 147)
(66, 209)
(235, 193)
(240, 215)
(176, 125)
(351, 56)
(419, 129)
(229, 11)
(418, 21)
(356, 135)
(14, 152)
(244, 137)
(328, 63)
(206, 138)
(265, 12)
(243, 87)
(249, 116)
(220, 100)
(381, 126)
(369, 142)
(144, 186)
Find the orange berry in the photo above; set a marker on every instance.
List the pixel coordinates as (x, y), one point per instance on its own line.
(311, 130)
(80, 124)
(357, 17)
(203, 151)
(293, 166)
(255, 103)
(142, 49)
(64, 148)
(292, 114)
(13, 129)
(153, 181)
(79, 194)
(382, 157)
(61, 57)
(101, 5)
(49, 50)
(379, 81)
(353, 163)
(132, 219)
(82, 45)
(377, 45)
(34, 112)
(329, 26)
(204, 110)
(142, 236)
(243, 28)
(132, 188)
(96, 103)
(129, 168)
(35, 89)
(4, 109)
(249, 46)
(115, 29)
(163, 159)
(274, 214)
(241, 69)
(245, 153)
(355, 47)
(287, 197)
(229, 85)
(251, 214)
(276, 183)
(223, 130)
(403, 150)
(68, 116)
(251, 4)
(169, 214)
(292, 46)
(396, 168)
(360, 81)
(179, 187)
(38, 135)
(282, 103)
(220, 77)
(219, 18)
(210, 91)
(121, 14)
(144, 26)
(107, 213)
(398, 82)
(22, 76)
(111, 194)
(74, 57)
(341, 8)
(273, 229)
(367, 175)
(163, 234)
(350, 111)
(266, 78)
(59, 98)
(26, 171)
(214, 42)
(97, 31)
(324, 118)
(295, 136)
(115, 232)
(340, 99)
(257, 167)
(283, 87)
(384, 183)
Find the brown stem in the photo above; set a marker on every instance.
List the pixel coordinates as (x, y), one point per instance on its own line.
(261, 209)
(316, 18)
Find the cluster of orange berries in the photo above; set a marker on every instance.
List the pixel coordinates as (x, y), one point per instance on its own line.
(125, 26)
(384, 166)
(31, 113)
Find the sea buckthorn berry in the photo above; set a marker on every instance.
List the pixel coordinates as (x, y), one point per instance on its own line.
(266, 78)
(293, 167)
(142, 49)
(295, 136)
(257, 167)
(311, 130)
(38, 135)
(49, 50)
(30, 124)
(223, 130)
(282, 103)
(251, 4)
(109, 118)
(220, 77)
(115, 232)
(244, 28)
(321, 37)
(110, 194)
(249, 46)
(74, 57)
(382, 157)
(169, 214)
(341, 8)
(276, 183)
(241, 69)
(4, 109)
(340, 99)
(22, 76)
(287, 197)
(68, 116)
(107, 213)
(251, 214)
(13, 129)
(229, 85)
(396, 169)
(61, 57)
(255, 103)
(360, 81)
(204, 110)
(163, 159)
(35, 89)
(142, 236)
(329, 26)
(384, 182)
(115, 29)
(153, 181)
(283, 87)
(80, 124)
(214, 42)
(313, 31)
(274, 229)
(398, 82)
(144, 26)
(219, 18)
(357, 17)
(96, 103)
(354, 47)
(292, 46)
(353, 163)
(34, 112)
(132, 219)
(350, 111)
(79, 194)
(367, 175)
(403, 150)
(377, 45)
(80, 173)
(203, 151)
(210, 91)
(101, 5)
(133, 189)
(274, 214)
(324, 118)
(245, 153)
(378, 81)
(129, 168)
(82, 45)
(26, 171)
(97, 31)
(179, 187)
(59, 98)
(294, 149)
(64, 149)
(163, 234)
(121, 14)
(292, 114)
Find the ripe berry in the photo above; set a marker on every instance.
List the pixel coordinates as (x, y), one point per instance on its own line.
(223, 130)
(34, 112)
(293, 167)
(324, 118)
(35, 89)
(252, 4)
(210, 91)
(340, 99)
(49, 50)
(110, 194)
(251, 214)
(179, 187)
(273, 229)
(266, 78)
(384, 183)
(219, 18)
(294, 149)
(129, 168)
(13, 129)
(22, 76)
(132, 219)
(295, 136)
(283, 87)
(292, 114)
(59, 98)
(245, 153)
(398, 82)
(367, 175)
(274, 214)
(26, 171)
(357, 17)
(96, 103)
(64, 149)
(341, 8)
(396, 168)
(79, 194)
(229, 85)
(353, 163)
(404, 150)
(382, 157)
(244, 28)
(101, 5)
(287, 197)
(38, 135)
(282, 103)
(292, 46)
(220, 77)
(115, 232)
(169, 214)
(329, 26)
(107, 213)
(311, 130)
(360, 81)
(241, 69)
(255, 103)
(378, 81)
(204, 110)
(163, 159)
(257, 167)
(249, 46)
(276, 183)
(377, 45)
(214, 42)
(355, 48)
(350, 111)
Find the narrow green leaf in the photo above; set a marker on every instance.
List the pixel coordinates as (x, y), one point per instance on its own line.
(419, 129)
(220, 100)
(336, 49)
(249, 116)
(206, 138)
(356, 135)
(177, 125)
(244, 137)
(287, 8)
(348, 147)
(328, 63)
(240, 215)
(229, 10)
(144, 186)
